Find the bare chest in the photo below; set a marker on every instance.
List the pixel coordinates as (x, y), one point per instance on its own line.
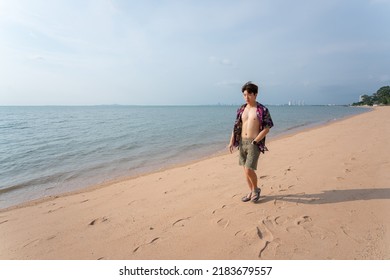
(250, 115)
(250, 123)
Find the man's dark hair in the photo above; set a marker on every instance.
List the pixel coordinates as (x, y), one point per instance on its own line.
(250, 88)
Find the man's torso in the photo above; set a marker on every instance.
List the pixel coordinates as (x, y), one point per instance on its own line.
(250, 123)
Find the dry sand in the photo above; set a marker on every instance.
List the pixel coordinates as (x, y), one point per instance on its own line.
(325, 195)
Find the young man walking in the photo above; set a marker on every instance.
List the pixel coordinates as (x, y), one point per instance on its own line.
(252, 124)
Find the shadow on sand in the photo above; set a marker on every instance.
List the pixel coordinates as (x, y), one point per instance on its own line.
(332, 196)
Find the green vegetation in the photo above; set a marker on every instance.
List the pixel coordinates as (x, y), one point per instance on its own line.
(381, 97)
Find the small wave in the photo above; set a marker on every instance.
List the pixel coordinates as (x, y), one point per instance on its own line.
(44, 180)
(298, 126)
(12, 188)
(13, 127)
(6, 126)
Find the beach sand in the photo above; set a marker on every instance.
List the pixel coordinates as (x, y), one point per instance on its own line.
(325, 195)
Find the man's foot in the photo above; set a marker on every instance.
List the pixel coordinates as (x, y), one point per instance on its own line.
(256, 195)
(247, 197)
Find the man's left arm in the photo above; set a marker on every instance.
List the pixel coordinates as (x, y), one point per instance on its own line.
(262, 134)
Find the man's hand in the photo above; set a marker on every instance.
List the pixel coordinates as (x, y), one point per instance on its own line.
(231, 147)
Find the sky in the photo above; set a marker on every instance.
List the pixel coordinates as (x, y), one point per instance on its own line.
(94, 52)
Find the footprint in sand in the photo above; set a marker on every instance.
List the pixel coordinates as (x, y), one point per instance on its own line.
(349, 233)
(235, 195)
(263, 247)
(265, 234)
(261, 238)
(303, 225)
(223, 206)
(54, 210)
(280, 203)
(300, 225)
(295, 230)
(287, 170)
(180, 222)
(302, 220)
(281, 220)
(32, 243)
(98, 220)
(320, 233)
(130, 203)
(2, 222)
(281, 190)
(149, 243)
(51, 237)
(223, 223)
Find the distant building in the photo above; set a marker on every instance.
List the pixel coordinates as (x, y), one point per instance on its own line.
(296, 103)
(361, 98)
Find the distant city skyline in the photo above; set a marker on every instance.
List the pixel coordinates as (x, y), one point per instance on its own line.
(68, 52)
(294, 103)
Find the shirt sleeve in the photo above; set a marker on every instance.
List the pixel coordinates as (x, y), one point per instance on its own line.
(267, 120)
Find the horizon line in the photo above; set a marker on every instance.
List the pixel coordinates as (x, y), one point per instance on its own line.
(166, 105)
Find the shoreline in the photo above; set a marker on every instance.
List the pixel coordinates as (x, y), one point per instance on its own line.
(21, 186)
(224, 152)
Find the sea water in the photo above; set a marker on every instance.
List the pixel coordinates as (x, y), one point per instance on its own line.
(56, 149)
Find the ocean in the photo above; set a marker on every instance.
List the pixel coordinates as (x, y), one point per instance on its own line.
(46, 151)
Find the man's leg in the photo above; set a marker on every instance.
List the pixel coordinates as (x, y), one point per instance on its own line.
(249, 158)
(251, 178)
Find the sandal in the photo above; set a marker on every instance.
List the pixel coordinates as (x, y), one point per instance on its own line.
(247, 197)
(256, 195)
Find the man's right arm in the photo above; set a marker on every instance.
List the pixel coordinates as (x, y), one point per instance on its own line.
(231, 144)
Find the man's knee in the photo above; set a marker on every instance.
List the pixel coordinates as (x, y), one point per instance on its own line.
(249, 171)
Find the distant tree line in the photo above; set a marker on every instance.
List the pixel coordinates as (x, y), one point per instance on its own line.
(381, 97)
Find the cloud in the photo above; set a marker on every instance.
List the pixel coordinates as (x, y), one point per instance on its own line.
(105, 46)
(37, 57)
(226, 61)
(222, 61)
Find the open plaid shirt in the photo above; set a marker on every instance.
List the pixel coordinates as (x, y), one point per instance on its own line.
(265, 120)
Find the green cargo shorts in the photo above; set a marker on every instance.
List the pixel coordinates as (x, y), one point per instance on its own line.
(249, 154)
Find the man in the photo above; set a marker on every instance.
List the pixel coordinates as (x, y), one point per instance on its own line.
(252, 124)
